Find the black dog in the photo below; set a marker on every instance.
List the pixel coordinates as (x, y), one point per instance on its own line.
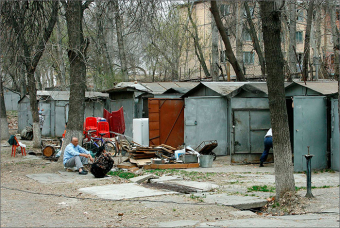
(102, 164)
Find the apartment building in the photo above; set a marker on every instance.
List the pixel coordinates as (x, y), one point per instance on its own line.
(233, 16)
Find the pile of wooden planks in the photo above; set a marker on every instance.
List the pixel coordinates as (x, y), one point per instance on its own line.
(161, 151)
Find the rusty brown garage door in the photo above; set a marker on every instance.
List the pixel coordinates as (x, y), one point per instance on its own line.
(166, 121)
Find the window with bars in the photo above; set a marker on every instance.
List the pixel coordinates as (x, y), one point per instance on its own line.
(299, 37)
(246, 35)
(223, 56)
(299, 14)
(248, 57)
(224, 9)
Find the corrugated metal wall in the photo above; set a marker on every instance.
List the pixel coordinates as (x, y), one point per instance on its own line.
(206, 119)
(55, 114)
(11, 100)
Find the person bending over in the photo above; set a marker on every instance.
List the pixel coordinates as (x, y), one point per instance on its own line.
(75, 155)
(102, 164)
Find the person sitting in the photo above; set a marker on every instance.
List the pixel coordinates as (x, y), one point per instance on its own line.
(102, 164)
(75, 155)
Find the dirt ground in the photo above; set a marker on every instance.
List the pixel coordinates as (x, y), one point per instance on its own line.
(26, 202)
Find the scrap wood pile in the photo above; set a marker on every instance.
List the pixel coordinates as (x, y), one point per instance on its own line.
(155, 157)
(161, 151)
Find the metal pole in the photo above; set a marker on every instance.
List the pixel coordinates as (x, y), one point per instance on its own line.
(309, 174)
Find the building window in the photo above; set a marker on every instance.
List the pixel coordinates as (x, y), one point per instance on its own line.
(299, 14)
(224, 10)
(251, 9)
(299, 37)
(223, 57)
(248, 57)
(246, 35)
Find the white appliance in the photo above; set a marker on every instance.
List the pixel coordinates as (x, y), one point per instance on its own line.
(141, 131)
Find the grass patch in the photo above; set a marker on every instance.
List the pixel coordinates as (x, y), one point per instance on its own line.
(261, 188)
(313, 187)
(122, 174)
(193, 175)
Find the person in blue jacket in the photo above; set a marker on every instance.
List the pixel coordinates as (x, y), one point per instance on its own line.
(76, 156)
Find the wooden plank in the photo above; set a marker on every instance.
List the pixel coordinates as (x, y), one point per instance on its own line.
(126, 165)
(171, 166)
(140, 162)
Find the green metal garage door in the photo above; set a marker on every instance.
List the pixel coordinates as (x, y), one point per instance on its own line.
(310, 129)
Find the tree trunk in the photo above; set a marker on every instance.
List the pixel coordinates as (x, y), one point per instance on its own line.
(23, 84)
(292, 62)
(60, 55)
(317, 41)
(77, 58)
(32, 92)
(255, 40)
(225, 38)
(3, 118)
(120, 40)
(38, 78)
(271, 27)
(31, 63)
(336, 40)
(214, 51)
(239, 31)
(306, 51)
(198, 48)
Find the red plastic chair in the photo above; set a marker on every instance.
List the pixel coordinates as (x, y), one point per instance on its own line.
(22, 147)
(90, 125)
(103, 128)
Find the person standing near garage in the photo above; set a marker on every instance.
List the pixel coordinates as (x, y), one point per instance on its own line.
(268, 143)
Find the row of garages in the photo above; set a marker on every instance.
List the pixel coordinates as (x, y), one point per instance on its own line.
(236, 114)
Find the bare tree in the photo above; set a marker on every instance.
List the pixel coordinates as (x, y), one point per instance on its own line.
(306, 57)
(198, 48)
(255, 40)
(214, 66)
(335, 38)
(271, 27)
(119, 30)
(77, 57)
(225, 38)
(31, 24)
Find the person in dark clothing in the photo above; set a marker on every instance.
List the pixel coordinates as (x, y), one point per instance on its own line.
(268, 143)
(102, 164)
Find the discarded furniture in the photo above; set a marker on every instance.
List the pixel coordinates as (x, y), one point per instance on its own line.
(103, 129)
(206, 148)
(90, 125)
(16, 145)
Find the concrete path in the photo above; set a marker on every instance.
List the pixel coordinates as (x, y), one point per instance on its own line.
(123, 191)
(309, 220)
(62, 177)
(203, 186)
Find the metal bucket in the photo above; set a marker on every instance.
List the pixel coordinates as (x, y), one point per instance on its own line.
(206, 161)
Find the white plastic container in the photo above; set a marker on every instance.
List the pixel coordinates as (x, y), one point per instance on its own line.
(141, 131)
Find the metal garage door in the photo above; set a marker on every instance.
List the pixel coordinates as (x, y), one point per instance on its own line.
(310, 129)
(250, 127)
(206, 119)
